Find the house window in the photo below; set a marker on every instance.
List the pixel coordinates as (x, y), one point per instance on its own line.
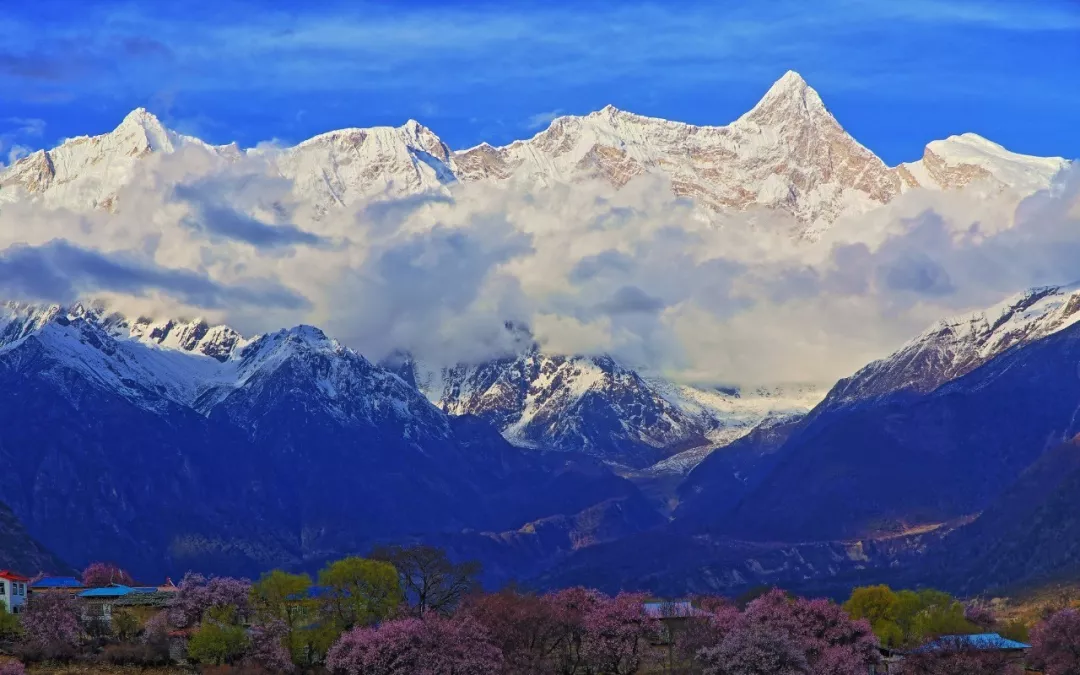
(3, 588)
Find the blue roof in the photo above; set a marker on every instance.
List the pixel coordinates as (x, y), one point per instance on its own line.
(115, 591)
(57, 582)
(977, 641)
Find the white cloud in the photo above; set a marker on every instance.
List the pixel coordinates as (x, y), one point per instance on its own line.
(631, 272)
(15, 130)
(542, 119)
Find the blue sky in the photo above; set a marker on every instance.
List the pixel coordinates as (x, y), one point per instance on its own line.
(896, 74)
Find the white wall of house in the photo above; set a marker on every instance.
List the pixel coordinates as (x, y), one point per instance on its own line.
(13, 595)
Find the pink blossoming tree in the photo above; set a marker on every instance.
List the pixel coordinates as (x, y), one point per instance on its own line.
(616, 634)
(100, 574)
(829, 641)
(198, 594)
(1055, 643)
(52, 619)
(268, 648)
(430, 646)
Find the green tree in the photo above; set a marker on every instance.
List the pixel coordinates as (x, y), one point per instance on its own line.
(280, 595)
(908, 618)
(929, 613)
(879, 606)
(125, 625)
(1016, 629)
(284, 596)
(359, 592)
(941, 617)
(313, 641)
(10, 626)
(220, 639)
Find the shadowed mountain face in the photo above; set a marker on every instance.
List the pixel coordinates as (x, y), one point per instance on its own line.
(20, 552)
(180, 446)
(193, 447)
(934, 433)
(1029, 535)
(284, 451)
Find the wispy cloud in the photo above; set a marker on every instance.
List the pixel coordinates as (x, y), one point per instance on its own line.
(542, 119)
(24, 126)
(1004, 15)
(634, 272)
(16, 134)
(373, 45)
(61, 271)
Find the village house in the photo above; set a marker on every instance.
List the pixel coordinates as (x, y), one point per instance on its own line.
(100, 603)
(674, 617)
(13, 591)
(1016, 651)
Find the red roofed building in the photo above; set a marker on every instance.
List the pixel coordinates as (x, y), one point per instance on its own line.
(13, 591)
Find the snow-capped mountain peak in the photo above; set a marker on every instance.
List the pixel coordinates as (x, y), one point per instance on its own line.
(156, 364)
(958, 161)
(301, 367)
(788, 98)
(147, 131)
(956, 346)
(598, 406)
(788, 153)
(217, 342)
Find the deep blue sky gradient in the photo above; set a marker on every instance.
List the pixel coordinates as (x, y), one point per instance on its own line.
(896, 74)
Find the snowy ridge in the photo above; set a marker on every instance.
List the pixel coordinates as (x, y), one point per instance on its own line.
(340, 167)
(135, 359)
(737, 411)
(954, 347)
(87, 171)
(191, 364)
(732, 414)
(958, 161)
(595, 405)
(583, 404)
(304, 365)
(788, 153)
(572, 403)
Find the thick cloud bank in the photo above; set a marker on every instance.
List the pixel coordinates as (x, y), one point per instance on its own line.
(635, 272)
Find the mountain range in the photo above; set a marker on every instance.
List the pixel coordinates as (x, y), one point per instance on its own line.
(788, 153)
(171, 444)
